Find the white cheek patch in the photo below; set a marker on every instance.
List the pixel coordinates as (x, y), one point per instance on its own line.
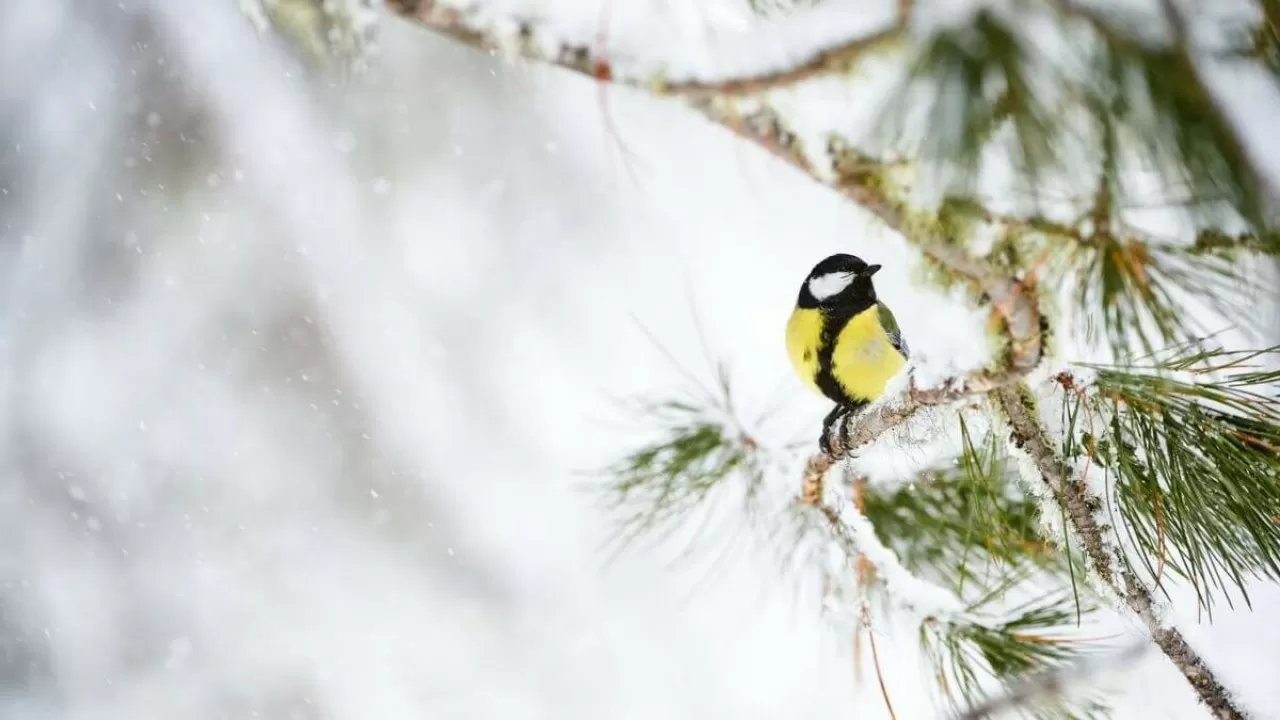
(829, 285)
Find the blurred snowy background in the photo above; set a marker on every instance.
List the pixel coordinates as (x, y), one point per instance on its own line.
(302, 380)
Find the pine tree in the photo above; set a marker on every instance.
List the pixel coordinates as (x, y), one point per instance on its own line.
(1075, 484)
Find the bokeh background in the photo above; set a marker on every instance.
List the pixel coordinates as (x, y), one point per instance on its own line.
(304, 380)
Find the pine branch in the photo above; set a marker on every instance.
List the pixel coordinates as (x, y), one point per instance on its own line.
(966, 643)
(1013, 648)
(970, 525)
(1193, 451)
(697, 454)
(1018, 406)
(1150, 294)
(1148, 290)
(978, 77)
(1134, 102)
(838, 58)
(703, 450)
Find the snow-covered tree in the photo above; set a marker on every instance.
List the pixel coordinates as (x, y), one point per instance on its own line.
(314, 311)
(1116, 442)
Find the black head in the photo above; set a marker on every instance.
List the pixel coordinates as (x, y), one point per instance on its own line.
(839, 281)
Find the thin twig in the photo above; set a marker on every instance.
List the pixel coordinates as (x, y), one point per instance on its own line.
(875, 659)
(602, 76)
(581, 59)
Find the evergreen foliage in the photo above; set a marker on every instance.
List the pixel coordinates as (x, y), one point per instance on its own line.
(699, 447)
(1192, 451)
(1105, 89)
(971, 530)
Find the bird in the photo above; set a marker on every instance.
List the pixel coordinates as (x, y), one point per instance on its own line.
(843, 342)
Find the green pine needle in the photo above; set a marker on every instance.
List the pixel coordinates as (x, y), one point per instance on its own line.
(1007, 645)
(962, 527)
(697, 452)
(1257, 38)
(1266, 39)
(1228, 246)
(976, 79)
(1143, 105)
(970, 529)
(1195, 464)
(1165, 111)
(1151, 295)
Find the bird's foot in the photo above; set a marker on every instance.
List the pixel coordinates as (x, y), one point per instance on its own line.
(831, 442)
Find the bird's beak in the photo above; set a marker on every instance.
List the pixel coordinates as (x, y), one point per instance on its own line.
(871, 270)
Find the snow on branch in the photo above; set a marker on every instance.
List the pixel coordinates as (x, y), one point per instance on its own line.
(856, 537)
(1030, 437)
(464, 23)
(968, 639)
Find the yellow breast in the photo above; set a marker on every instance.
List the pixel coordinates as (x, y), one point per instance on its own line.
(864, 360)
(804, 333)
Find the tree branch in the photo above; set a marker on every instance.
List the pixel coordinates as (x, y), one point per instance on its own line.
(585, 60)
(1030, 437)
(857, 539)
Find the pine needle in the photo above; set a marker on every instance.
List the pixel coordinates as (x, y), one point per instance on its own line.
(1191, 446)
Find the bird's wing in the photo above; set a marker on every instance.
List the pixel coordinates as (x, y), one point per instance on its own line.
(890, 325)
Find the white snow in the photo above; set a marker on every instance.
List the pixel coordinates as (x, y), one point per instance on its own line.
(423, 547)
(922, 598)
(680, 40)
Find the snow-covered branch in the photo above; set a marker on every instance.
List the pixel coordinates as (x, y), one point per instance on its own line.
(589, 59)
(1014, 307)
(857, 538)
(1029, 436)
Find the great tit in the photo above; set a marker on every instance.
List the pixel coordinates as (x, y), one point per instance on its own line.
(843, 342)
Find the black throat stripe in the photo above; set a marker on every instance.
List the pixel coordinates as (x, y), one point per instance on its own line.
(834, 320)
